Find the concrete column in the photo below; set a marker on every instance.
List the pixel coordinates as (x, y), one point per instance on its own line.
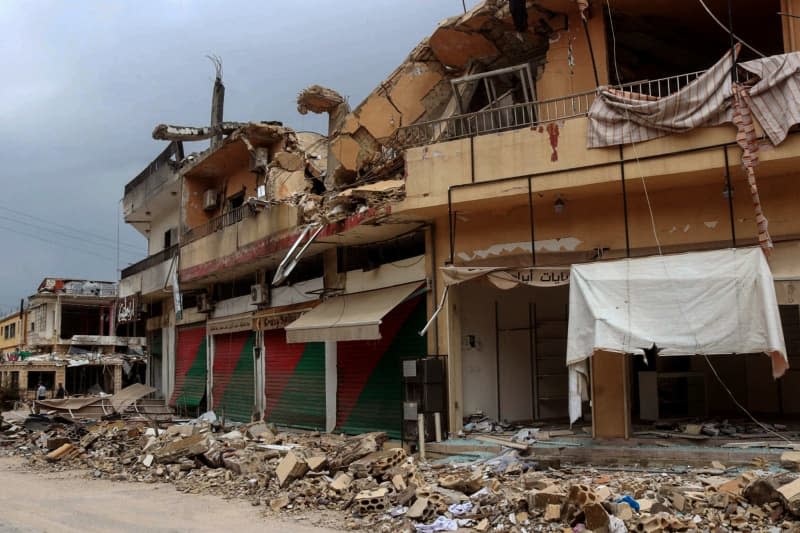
(167, 361)
(61, 377)
(454, 378)
(331, 385)
(209, 371)
(117, 378)
(56, 320)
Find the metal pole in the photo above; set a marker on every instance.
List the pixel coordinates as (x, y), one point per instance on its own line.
(530, 214)
(421, 435)
(734, 74)
(497, 354)
(730, 196)
(591, 52)
(450, 221)
(624, 201)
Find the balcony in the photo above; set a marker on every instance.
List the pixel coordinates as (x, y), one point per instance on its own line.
(528, 114)
(148, 275)
(154, 190)
(528, 149)
(217, 223)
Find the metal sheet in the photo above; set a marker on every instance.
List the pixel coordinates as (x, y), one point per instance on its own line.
(234, 376)
(295, 382)
(190, 369)
(369, 392)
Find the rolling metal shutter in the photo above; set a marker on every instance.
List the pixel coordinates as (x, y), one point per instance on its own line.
(234, 376)
(190, 369)
(295, 382)
(369, 393)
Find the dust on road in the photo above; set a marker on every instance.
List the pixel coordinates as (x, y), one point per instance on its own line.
(66, 502)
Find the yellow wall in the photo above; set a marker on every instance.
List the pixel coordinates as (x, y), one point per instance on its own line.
(13, 343)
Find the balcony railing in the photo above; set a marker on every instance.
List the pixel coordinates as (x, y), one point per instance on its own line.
(156, 259)
(230, 218)
(527, 114)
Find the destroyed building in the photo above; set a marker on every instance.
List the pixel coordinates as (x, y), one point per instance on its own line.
(70, 338)
(526, 198)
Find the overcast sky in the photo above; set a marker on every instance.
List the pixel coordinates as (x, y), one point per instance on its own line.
(85, 82)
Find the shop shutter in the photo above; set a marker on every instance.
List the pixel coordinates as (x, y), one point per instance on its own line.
(233, 382)
(295, 382)
(369, 393)
(190, 370)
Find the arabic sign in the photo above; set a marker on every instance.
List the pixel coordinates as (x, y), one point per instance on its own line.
(508, 278)
(128, 309)
(231, 325)
(276, 321)
(536, 277)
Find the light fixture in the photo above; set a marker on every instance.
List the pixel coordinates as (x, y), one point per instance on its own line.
(559, 205)
(728, 192)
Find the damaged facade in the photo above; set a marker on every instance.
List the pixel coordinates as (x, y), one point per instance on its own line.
(70, 338)
(290, 274)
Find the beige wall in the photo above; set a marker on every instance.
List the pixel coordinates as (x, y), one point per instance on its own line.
(558, 79)
(231, 238)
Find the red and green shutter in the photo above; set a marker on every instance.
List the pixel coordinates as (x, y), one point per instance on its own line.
(295, 382)
(369, 394)
(233, 385)
(190, 369)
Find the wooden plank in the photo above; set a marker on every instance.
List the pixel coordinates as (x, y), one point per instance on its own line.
(501, 442)
(610, 403)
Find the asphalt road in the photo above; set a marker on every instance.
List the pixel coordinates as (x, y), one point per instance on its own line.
(66, 502)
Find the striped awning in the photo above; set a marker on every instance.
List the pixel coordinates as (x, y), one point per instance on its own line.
(349, 317)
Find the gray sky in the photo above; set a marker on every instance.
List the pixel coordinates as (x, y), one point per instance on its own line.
(85, 82)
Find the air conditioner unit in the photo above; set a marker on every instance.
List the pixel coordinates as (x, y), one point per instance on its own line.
(259, 295)
(210, 199)
(204, 303)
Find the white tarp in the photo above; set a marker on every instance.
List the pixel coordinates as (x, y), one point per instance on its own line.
(704, 303)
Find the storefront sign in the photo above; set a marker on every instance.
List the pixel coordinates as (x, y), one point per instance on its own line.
(275, 321)
(231, 325)
(536, 277)
(128, 309)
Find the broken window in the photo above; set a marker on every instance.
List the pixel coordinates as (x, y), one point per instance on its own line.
(81, 320)
(236, 200)
(48, 379)
(370, 257)
(648, 40)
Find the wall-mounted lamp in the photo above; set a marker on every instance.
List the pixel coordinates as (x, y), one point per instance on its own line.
(559, 205)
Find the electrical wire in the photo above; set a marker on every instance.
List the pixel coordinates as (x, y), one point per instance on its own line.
(727, 30)
(740, 406)
(52, 231)
(633, 144)
(65, 226)
(69, 246)
(683, 313)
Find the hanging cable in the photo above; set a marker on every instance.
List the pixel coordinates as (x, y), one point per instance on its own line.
(633, 144)
(653, 224)
(727, 30)
(740, 406)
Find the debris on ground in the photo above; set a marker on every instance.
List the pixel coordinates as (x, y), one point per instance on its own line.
(381, 487)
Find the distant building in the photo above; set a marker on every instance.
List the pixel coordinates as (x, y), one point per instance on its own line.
(12, 332)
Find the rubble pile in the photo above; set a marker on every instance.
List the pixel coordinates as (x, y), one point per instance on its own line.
(381, 487)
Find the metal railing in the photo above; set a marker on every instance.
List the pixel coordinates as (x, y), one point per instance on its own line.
(230, 218)
(100, 290)
(528, 114)
(150, 261)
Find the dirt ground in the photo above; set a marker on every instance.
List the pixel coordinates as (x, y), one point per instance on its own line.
(67, 502)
